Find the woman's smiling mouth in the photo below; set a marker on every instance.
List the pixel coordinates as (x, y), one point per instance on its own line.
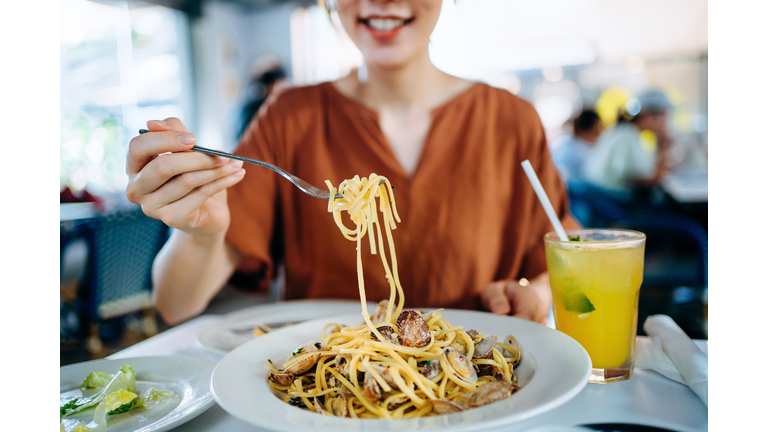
(385, 28)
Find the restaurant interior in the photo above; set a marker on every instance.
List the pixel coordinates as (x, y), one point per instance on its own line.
(588, 67)
(125, 62)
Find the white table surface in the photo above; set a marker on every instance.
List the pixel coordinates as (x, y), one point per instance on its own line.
(647, 398)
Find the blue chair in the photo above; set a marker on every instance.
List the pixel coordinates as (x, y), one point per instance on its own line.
(673, 272)
(596, 207)
(122, 246)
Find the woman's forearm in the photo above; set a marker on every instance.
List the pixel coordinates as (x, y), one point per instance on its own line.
(188, 272)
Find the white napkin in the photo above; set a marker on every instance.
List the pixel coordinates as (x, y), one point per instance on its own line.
(670, 352)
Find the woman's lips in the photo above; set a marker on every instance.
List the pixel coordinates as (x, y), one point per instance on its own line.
(385, 29)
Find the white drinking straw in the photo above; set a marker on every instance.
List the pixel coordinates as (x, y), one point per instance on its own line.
(544, 200)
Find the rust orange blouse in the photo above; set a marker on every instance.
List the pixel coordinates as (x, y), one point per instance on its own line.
(469, 215)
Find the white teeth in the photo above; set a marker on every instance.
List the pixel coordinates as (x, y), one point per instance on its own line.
(385, 24)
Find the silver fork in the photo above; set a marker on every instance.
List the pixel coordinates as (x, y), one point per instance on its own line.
(299, 183)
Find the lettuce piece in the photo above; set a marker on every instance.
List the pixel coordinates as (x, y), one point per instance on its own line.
(131, 376)
(112, 401)
(154, 396)
(96, 380)
(121, 381)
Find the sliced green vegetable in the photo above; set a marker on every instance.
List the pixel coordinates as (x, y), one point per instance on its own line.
(119, 381)
(113, 401)
(578, 302)
(96, 380)
(154, 395)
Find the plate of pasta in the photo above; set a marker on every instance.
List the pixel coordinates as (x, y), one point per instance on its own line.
(553, 368)
(396, 368)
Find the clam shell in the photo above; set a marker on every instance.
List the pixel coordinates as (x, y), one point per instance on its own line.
(305, 357)
(342, 365)
(428, 316)
(384, 372)
(339, 406)
(371, 387)
(282, 379)
(491, 392)
(484, 348)
(403, 398)
(472, 333)
(461, 345)
(515, 345)
(432, 369)
(318, 406)
(380, 313)
(461, 364)
(389, 334)
(492, 370)
(442, 406)
(414, 331)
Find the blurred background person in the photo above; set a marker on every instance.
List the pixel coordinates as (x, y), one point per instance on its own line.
(571, 150)
(265, 79)
(630, 156)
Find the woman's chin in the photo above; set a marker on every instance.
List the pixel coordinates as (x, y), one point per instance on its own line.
(388, 59)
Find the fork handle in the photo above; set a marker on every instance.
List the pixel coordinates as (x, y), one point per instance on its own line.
(299, 183)
(225, 154)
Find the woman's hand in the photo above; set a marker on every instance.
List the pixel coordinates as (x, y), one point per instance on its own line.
(184, 189)
(530, 301)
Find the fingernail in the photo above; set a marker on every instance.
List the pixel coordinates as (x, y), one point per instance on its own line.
(235, 163)
(187, 138)
(160, 122)
(239, 173)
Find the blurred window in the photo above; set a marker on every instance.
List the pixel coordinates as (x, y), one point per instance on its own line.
(561, 55)
(121, 63)
(320, 48)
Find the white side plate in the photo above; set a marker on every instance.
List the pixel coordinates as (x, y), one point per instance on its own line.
(188, 377)
(219, 339)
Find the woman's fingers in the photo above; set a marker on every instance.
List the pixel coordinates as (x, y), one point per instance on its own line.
(165, 167)
(144, 148)
(186, 181)
(495, 299)
(184, 212)
(171, 123)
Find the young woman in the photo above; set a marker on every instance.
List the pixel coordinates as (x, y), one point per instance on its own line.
(471, 225)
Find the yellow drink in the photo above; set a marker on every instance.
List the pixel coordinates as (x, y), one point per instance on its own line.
(595, 290)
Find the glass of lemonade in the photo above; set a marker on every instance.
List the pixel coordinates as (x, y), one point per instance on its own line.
(595, 279)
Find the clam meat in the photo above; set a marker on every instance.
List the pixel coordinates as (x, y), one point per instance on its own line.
(303, 358)
(460, 363)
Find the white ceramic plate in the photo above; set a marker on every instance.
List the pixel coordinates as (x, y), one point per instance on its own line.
(554, 369)
(219, 339)
(188, 377)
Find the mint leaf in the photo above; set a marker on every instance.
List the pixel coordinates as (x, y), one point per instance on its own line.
(577, 238)
(578, 302)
